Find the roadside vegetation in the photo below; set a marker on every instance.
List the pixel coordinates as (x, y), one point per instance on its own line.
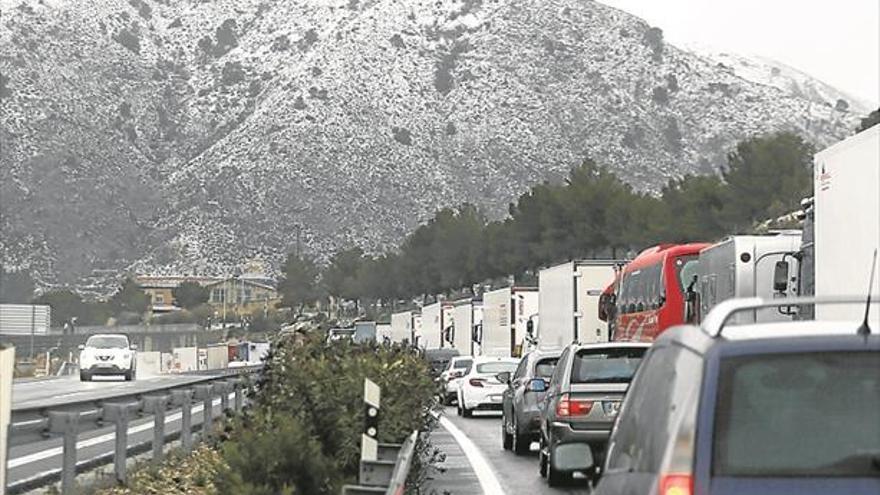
(301, 434)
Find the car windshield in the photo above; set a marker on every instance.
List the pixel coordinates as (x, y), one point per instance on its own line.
(545, 367)
(462, 363)
(606, 365)
(815, 415)
(498, 367)
(107, 342)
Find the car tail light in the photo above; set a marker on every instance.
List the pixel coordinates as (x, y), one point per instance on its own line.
(676, 484)
(567, 407)
(477, 382)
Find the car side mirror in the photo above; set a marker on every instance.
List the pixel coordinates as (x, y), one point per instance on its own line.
(503, 377)
(81, 347)
(133, 347)
(530, 327)
(780, 276)
(537, 385)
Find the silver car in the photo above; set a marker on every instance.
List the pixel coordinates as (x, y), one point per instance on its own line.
(521, 420)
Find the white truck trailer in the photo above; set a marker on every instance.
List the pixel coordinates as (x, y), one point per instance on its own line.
(436, 323)
(847, 223)
(506, 316)
(402, 326)
(568, 302)
(745, 266)
(467, 321)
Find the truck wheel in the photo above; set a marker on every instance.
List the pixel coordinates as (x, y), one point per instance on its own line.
(506, 438)
(84, 376)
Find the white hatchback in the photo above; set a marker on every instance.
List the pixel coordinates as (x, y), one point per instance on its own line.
(107, 354)
(479, 388)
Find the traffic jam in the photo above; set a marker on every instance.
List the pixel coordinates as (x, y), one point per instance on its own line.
(748, 365)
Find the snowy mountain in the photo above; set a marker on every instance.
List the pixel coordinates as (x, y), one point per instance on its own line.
(195, 135)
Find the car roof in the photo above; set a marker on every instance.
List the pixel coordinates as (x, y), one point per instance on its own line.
(108, 335)
(456, 359)
(699, 340)
(490, 359)
(790, 329)
(612, 345)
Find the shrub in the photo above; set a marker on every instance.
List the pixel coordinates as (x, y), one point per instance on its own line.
(322, 386)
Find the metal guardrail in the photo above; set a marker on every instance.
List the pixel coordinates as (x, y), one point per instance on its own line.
(387, 473)
(36, 422)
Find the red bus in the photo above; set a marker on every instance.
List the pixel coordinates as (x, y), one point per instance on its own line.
(649, 293)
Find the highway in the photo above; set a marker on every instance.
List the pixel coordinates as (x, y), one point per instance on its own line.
(52, 391)
(31, 462)
(478, 464)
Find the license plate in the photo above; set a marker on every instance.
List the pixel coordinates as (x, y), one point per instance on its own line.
(495, 398)
(611, 407)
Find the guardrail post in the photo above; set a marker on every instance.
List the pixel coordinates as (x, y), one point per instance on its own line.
(66, 423)
(204, 393)
(223, 389)
(156, 405)
(183, 398)
(118, 413)
(239, 395)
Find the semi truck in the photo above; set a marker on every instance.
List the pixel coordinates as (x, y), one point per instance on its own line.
(846, 224)
(508, 314)
(740, 266)
(568, 302)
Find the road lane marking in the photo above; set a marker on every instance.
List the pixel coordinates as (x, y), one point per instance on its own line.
(91, 442)
(488, 482)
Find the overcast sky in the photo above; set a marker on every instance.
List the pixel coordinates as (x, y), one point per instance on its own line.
(837, 41)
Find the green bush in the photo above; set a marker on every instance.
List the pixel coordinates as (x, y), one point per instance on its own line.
(321, 386)
(277, 456)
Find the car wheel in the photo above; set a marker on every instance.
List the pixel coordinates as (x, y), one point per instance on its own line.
(506, 438)
(542, 461)
(520, 445)
(465, 412)
(129, 375)
(84, 376)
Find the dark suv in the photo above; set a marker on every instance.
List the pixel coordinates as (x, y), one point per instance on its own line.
(585, 393)
(521, 419)
(773, 408)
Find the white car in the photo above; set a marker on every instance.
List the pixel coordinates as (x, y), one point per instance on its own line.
(479, 388)
(107, 354)
(452, 375)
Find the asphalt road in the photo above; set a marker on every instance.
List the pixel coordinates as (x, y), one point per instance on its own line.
(516, 474)
(38, 393)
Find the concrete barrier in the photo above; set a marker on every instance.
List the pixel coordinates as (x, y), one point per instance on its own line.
(149, 363)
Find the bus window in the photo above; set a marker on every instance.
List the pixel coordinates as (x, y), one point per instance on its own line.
(685, 269)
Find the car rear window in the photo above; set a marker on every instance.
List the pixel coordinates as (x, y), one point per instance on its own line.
(463, 363)
(812, 414)
(606, 365)
(544, 368)
(496, 367)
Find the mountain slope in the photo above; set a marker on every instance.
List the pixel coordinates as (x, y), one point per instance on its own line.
(207, 133)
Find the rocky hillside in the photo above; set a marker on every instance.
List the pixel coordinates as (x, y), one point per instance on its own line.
(191, 135)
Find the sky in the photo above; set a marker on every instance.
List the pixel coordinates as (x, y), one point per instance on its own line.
(836, 41)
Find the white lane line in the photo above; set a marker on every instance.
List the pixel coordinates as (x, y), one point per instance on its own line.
(488, 482)
(91, 442)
